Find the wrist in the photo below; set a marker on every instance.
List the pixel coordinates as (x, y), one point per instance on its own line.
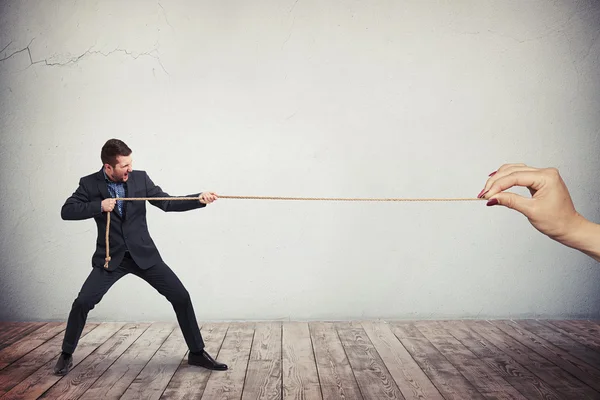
(571, 231)
(583, 235)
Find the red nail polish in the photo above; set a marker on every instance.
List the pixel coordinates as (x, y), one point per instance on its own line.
(493, 173)
(482, 193)
(492, 202)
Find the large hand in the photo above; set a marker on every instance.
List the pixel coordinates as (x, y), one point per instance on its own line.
(108, 205)
(207, 197)
(550, 209)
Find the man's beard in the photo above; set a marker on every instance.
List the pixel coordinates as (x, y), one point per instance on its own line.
(116, 179)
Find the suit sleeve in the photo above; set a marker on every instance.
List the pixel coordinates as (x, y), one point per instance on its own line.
(170, 205)
(79, 206)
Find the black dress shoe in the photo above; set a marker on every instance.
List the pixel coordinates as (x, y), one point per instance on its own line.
(63, 365)
(205, 360)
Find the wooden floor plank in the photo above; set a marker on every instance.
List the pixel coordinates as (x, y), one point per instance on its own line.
(155, 376)
(405, 330)
(516, 374)
(335, 374)
(481, 376)
(9, 328)
(235, 352)
(83, 376)
(374, 379)
(300, 376)
(410, 378)
(563, 341)
(585, 327)
(448, 380)
(263, 378)
(581, 370)
(16, 330)
(41, 380)
(553, 375)
(576, 332)
(4, 325)
(30, 342)
(117, 378)
(190, 381)
(19, 370)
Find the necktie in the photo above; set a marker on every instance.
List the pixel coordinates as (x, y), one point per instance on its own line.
(120, 192)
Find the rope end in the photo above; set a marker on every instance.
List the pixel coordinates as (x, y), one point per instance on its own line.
(107, 259)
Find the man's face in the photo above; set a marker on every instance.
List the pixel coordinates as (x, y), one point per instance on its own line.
(120, 172)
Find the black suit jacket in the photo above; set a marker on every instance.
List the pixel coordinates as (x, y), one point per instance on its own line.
(129, 232)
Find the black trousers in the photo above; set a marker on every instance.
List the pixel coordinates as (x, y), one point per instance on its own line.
(160, 276)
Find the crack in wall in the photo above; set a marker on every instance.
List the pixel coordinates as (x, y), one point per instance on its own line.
(5, 47)
(131, 54)
(18, 51)
(88, 52)
(291, 27)
(73, 60)
(164, 12)
(294, 6)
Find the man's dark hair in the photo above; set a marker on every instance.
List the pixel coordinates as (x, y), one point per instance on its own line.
(113, 148)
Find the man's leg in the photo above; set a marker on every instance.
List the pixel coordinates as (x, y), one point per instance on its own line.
(94, 288)
(164, 280)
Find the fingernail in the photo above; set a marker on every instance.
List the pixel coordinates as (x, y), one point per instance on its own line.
(482, 193)
(493, 173)
(492, 202)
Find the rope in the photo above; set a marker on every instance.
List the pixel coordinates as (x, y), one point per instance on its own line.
(302, 198)
(108, 258)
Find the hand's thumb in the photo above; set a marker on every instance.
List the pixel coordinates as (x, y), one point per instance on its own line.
(513, 201)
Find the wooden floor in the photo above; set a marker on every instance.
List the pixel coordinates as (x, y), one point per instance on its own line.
(527, 359)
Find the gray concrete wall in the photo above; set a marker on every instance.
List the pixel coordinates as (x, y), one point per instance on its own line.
(302, 98)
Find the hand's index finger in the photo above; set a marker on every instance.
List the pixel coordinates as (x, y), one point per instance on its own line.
(529, 179)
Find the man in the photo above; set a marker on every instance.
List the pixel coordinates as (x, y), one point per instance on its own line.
(132, 248)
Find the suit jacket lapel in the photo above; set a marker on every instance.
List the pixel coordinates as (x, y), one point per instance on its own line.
(102, 186)
(130, 193)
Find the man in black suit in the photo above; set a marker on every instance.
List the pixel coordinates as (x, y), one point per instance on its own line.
(132, 248)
